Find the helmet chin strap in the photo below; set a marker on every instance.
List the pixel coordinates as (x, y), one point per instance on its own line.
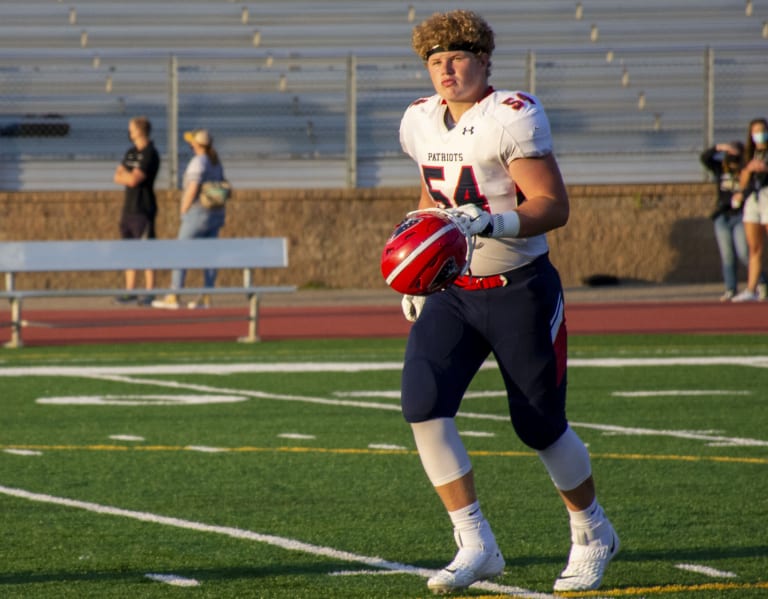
(445, 213)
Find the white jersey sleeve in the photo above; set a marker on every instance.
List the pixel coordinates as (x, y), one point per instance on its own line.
(468, 163)
(526, 132)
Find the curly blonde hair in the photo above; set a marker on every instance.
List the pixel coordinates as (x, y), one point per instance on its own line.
(454, 30)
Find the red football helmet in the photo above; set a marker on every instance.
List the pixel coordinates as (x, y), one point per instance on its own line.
(425, 253)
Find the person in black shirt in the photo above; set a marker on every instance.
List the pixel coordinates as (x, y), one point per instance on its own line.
(137, 172)
(723, 160)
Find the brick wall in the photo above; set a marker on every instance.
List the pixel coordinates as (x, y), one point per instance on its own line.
(655, 233)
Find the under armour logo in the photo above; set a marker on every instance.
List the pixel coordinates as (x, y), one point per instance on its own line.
(470, 130)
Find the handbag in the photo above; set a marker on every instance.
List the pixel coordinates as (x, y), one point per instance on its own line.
(214, 194)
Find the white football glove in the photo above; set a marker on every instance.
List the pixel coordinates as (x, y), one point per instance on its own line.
(476, 221)
(412, 306)
(473, 219)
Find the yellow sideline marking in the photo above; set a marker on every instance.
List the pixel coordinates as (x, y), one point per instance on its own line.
(221, 449)
(654, 590)
(679, 458)
(368, 451)
(665, 589)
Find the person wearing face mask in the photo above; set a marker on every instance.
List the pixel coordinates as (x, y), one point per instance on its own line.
(137, 172)
(754, 195)
(723, 160)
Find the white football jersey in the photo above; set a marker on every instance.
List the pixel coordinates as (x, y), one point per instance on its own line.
(468, 163)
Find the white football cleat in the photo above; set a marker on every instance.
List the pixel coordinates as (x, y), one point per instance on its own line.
(470, 565)
(587, 563)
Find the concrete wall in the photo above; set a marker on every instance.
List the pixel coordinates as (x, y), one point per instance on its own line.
(654, 233)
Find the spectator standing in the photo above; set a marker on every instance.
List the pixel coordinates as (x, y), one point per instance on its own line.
(486, 156)
(137, 172)
(754, 194)
(724, 162)
(197, 221)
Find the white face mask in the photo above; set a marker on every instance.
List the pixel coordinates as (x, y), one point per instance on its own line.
(760, 137)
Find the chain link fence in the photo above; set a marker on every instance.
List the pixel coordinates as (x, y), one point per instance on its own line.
(331, 120)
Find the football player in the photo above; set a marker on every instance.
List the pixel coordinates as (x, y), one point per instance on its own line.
(485, 156)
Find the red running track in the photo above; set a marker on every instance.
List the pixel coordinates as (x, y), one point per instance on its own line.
(314, 322)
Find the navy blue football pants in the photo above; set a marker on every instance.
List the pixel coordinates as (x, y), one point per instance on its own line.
(522, 324)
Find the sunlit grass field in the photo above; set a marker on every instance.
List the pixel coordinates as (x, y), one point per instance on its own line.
(285, 470)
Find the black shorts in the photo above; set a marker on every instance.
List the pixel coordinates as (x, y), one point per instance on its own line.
(522, 324)
(137, 226)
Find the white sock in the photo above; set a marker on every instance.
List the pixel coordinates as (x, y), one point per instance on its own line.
(471, 529)
(587, 525)
(467, 517)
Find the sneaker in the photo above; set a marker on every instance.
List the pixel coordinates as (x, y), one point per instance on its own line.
(200, 302)
(727, 295)
(470, 565)
(169, 302)
(745, 296)
(126, 299)
(587, 563)
(762, 291)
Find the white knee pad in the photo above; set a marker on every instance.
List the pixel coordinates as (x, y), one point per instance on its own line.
(441, 450)
(567, 461)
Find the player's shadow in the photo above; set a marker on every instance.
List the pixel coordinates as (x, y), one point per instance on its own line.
(199, 574)
(627, 554)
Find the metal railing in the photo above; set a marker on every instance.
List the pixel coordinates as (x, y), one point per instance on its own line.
(330, 119)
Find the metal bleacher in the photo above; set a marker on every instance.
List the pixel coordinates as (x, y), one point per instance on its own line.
(625, 84)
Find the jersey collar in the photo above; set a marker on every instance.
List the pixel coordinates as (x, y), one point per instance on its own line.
(489, 90)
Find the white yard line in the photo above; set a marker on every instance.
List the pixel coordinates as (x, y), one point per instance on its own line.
(226, 391)
(755, 361)
(173, 580)
(205, 449)
(23, 452)
(230, 368)
(681, 393)
(607, 428)
(395, 394)
(138, 400)
(691, 435)
(706, 571)
(248, 535)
